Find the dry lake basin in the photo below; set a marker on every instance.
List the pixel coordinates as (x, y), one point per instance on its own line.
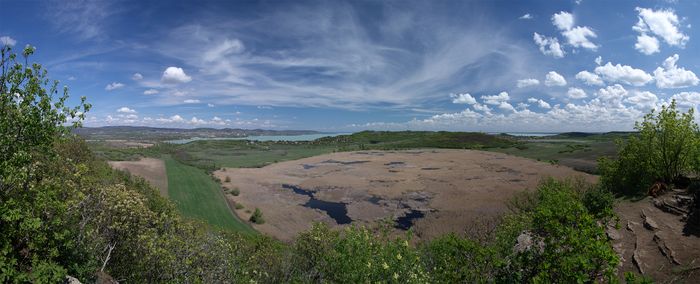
(432, 192)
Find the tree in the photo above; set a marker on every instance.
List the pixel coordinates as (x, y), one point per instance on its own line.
(34, 196)
(664, 150)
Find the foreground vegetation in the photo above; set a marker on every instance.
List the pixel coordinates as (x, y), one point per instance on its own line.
(64, 211)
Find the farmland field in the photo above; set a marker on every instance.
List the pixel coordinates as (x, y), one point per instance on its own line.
(197, 195)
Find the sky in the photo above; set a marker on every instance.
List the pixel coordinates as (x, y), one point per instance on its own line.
(341, 66)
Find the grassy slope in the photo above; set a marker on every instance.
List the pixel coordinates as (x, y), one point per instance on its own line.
(198, 196)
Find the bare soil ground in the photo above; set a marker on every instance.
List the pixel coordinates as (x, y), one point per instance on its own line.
(656, 243)
(152, 170)
(452, 189)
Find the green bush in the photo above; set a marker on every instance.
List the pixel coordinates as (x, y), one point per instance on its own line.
(239, 206)
(664, 150)
(257, 217)
(235, 191)
(567, 245)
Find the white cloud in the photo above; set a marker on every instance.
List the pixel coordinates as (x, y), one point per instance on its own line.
(576, 93)
(174, 75)
(526, 17)
(114, 86)
(643, 100)
(687, 99)
(191, 101)
(7, 41)
(174, 118)
(506, 106)
(125, 110)
(549, 45)
(528, 82)
(598, 60)
(541, 103)
(611, 96)
(670, 76)
(661, 23)
(563, 20)
(647, 44)
(227, 47)
(623, 74)
(554, 79)
(575, 36)
(579, 37)
(210, 105)
(589, 78)
(465, 98)
(150, 92)
(197, 121)
(136, 77)
(481, 108)
(496, 99)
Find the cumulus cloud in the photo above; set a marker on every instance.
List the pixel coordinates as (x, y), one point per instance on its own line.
(174, 118)
(150, 92)
(210, 105)
(554, 79)
(496, 99)
(589, 78)
(191, 101)
(125, 110)
(611, 96)
(598, 60)
(136, 77)
(563, 20)
(623, 74)
(528, 82)
(643, 100)
(465, 98)
(506, 106)
(579, 37)
(541, 103)
(549, 46)
(113, 86)
(647, 44)
(7, 41)
(576, 93)
(526, 17)
(687, 99)
(661, 23)
(575, 36)
(670, 76)
(175, 75)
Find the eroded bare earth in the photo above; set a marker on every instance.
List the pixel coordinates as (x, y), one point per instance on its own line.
(449, 189)
(152, 170)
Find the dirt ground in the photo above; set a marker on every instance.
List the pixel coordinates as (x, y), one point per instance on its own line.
(450, 188)
(152, 170)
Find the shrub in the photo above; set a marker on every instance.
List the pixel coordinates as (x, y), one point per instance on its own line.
(664, 150)
(228, 179)
(239, 206)
(566, 245)
(235, 191)
(257, 217)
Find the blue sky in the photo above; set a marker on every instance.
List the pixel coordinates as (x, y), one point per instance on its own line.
(354, 65)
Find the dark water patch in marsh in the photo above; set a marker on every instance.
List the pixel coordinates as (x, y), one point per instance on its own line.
(336, 210)
(343, 162)
(406, 222)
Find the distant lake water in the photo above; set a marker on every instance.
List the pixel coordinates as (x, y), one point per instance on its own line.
(304, 137)
(525, 134)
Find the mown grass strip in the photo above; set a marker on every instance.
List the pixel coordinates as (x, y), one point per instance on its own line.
(198, 196)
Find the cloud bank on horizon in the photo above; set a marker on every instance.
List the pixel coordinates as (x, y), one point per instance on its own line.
(354, 65)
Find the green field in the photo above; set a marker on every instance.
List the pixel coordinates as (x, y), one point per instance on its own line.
(197, 195)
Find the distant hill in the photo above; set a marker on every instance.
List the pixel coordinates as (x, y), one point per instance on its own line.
(159, 134)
